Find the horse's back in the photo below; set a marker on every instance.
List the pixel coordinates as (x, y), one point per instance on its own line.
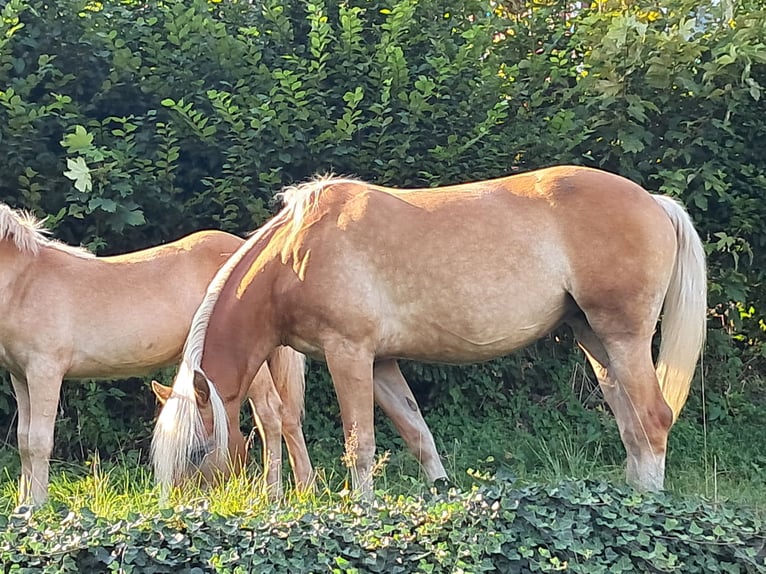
(208, 245)
(120, 315)
(474, 270)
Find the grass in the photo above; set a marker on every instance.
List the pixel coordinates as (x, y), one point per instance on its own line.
(527, 441)
(115, 489)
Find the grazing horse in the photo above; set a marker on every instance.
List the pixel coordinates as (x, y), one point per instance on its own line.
(69, 314)
(392, 394)
(276, 398)
(355, 273)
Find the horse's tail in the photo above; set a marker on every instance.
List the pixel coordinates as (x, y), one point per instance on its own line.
(180, 435)
(684, 311)
(288, 370)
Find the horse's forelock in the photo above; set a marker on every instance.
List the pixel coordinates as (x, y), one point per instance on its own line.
(176, 433)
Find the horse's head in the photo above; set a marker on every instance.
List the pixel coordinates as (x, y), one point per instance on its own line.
(201, 458)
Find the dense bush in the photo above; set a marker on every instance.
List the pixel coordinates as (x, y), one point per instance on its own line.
(574, 526)
(131, 123)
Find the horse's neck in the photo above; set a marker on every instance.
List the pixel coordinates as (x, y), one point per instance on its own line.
(241, 331)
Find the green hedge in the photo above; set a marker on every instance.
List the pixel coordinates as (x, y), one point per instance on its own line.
(587, 527)
(131, 123)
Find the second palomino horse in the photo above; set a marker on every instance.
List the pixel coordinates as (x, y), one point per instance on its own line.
(353, 273)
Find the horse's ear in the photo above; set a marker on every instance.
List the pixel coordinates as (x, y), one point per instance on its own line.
(201, 388)
(162, 392)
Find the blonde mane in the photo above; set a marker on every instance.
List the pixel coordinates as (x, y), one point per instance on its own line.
(29, 235)
(301, 199)
(179, 430)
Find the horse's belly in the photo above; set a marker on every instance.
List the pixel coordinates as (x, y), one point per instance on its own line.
(466, 310)
(124, 356)
(132, 338)
(464, 337)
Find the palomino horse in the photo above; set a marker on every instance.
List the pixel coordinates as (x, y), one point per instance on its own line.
(353, 273)
(69, 314)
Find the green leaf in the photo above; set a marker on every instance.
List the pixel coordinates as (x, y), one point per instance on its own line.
(108, 205)
(694, 529)
(134, 217)
(79, 141)
(79, 172)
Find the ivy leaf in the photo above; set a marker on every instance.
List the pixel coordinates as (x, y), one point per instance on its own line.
(79, 172)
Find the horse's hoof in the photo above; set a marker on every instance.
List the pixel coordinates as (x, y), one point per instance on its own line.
(442, 486)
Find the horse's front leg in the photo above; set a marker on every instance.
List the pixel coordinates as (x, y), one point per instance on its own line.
(21, 391)
(267, 412)
(351, 371)
(38, 399)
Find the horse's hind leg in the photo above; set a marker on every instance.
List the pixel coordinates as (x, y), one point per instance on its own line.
(292, 430)
(287, 370)
(393, 395)
(626, 374)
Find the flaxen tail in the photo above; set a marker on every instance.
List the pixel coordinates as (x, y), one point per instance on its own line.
(684, 312)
